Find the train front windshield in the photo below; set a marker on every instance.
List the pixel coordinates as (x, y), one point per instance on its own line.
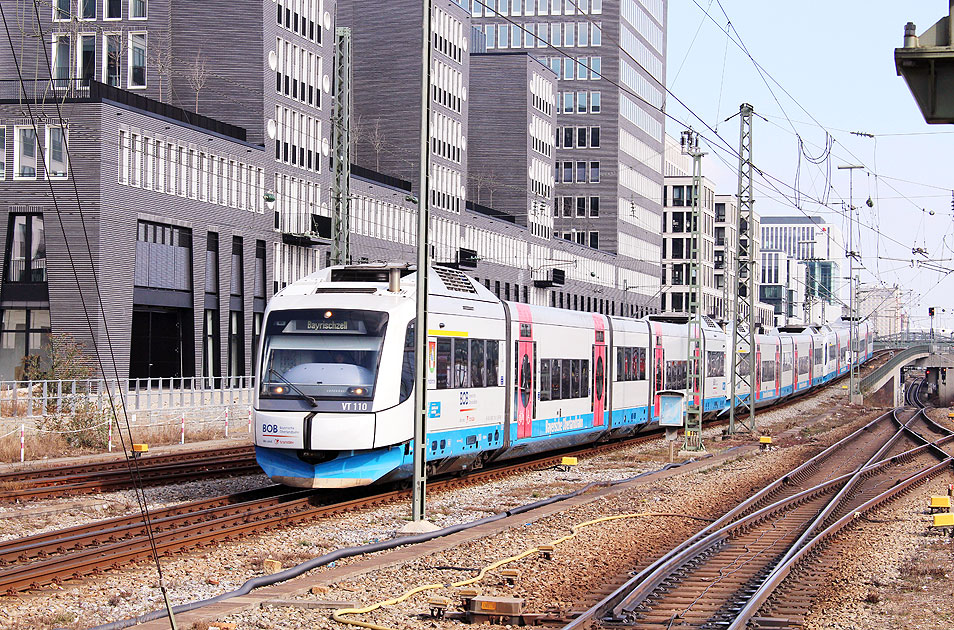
(322, 353)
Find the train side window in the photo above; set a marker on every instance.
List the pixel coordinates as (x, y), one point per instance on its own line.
(640, 362)
(628, 364)
(556, 379)
(768, 370)
(567, 385)
(584, 378)
(460, 364)
(477, 363)
(574, 378)
(544, 380)
(407, 365)
(492, 358)
(620, 362)
(445, 364)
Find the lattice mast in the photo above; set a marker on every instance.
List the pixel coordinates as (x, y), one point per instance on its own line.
(340, 187)
(743, 297)
(694, 389)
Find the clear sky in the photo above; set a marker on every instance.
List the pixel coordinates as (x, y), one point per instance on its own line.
(835, 59)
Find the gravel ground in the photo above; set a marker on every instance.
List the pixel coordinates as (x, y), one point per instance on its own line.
(604, 550)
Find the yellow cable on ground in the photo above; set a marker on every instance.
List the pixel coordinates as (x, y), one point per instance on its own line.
(337, 615)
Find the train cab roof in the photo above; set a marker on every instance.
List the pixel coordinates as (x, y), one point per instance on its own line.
(388, 279)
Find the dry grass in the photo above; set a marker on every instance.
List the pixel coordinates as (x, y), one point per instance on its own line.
(50, 445)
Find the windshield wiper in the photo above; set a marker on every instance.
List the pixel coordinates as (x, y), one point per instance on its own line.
(310, 399)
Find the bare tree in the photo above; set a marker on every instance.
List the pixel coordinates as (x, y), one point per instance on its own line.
(160, 57)
(356, 134)
(485, 180)
(197, 75)
(376, 141)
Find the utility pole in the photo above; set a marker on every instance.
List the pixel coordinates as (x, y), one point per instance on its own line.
(418, 495)
(853, 381)
(743, 332)
(341, 187)
(693, 428)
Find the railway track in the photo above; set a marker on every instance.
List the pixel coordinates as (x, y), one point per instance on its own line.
(49, 558)
(154, 470)
(761, 564)
(37, 561)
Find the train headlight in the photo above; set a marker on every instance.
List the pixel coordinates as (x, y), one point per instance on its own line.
(357, 391)
(328, 314)
(278, 389)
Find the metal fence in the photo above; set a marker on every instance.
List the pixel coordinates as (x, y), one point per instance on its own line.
(35, 399)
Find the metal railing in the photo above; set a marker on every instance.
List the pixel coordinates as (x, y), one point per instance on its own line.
(893, 363)
(35, 399)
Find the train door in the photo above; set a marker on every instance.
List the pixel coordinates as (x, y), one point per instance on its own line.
(525, 400)
(658, 368)
(778, 367)
(598, 399)
(795, 364)
(758, 371)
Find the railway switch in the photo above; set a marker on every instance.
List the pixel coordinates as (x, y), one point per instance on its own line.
(765, 443)
(546, 551)
(438, 606)
(139, 449)
(511, 576)
(944, 522)
(940, 503)
(499, 610)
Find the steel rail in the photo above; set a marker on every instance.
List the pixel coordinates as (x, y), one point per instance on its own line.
(783, 570)
(801, 472)
(628, 596)
(82, 551)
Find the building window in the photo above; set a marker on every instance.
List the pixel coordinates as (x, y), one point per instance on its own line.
(137, 60)
(594, 172)
(87, 58)
(24, 153)
(23, 332)
(137, 9)
(212, 264)
(56, 158)
(112, 59)
(581, 172)
(236, 344)
(61, 61)
(88, 9)
(114, 9)
(594, 137)
(594, 206)
(210, 347)
(595, 240)
(236, 285)
(594, 102)
(61, 10)
(163, 257)
(26, 257)
(259, 269)
(581, 206)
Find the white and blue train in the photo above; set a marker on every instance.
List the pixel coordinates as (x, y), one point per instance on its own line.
(334, 404)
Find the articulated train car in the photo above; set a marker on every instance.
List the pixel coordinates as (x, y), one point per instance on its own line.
(334, 405)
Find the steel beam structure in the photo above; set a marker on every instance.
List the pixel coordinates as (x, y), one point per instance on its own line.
(341, 126)
(696, 350)
(743, 330)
